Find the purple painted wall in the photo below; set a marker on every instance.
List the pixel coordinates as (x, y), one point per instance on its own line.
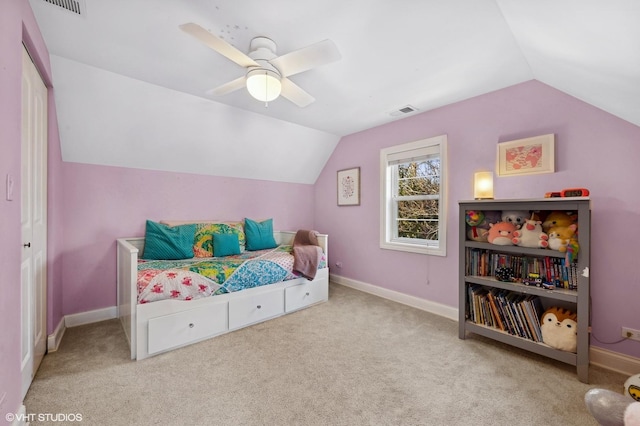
(593, 149)
(104, 203)
(17, 26)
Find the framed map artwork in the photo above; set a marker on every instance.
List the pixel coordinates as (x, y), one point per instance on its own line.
(527, 156)
(349, 187)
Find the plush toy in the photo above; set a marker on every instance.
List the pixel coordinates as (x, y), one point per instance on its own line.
(558, 218)
(501, 233)
(517, 217)
(632, 387)
(611, 408)
(561, 236)
(474, 219)
(478, 223)
(560, 329)
(530, 235)
(632, 414)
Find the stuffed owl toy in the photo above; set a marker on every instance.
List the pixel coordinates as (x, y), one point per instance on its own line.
(560, 329)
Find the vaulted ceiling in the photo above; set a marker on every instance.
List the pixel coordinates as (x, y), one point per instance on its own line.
(422, 53)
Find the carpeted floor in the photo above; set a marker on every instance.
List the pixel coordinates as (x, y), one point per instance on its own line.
(355, 360)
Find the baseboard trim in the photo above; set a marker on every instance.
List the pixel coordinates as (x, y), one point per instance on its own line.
(604, 358)
(405, 299)
(20, 417)
(614, 361)
(89, 317)
(53, 340)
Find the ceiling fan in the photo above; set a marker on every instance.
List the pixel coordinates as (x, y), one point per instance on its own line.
(266, 76)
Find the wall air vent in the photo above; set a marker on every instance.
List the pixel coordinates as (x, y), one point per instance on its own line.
(73, 6)
(404, 110)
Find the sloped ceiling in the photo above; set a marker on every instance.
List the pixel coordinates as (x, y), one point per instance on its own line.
(423, 53)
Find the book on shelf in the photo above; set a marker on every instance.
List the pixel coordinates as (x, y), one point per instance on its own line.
(511, 312)
(554, 270)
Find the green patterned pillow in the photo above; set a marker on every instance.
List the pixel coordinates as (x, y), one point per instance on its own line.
(203, 240)
(168, 243)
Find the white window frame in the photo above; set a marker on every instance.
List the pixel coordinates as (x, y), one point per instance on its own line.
(388, 226)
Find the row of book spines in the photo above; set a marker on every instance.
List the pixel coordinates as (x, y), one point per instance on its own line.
(513, 313)
(484, 263)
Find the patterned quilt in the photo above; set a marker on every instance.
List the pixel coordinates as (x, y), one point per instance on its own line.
(201, 277)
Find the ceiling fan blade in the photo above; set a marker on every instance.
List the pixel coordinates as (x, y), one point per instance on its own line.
(295, 94)
(304, 59)
(218, 44)
(229, 87)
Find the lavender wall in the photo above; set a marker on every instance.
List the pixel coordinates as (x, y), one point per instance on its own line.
(593, 149)
(17, 26)
(102, 203)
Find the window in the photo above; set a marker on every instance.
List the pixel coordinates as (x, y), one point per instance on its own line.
(412, 199)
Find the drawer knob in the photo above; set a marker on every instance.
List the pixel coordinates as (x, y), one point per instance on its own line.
(307, 294)
(191, 325)
(259, 306)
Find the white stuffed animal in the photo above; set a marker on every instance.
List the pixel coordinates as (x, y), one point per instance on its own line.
(516, 217)
(531, 235)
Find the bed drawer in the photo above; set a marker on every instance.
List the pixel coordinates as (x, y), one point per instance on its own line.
(177, 329)
(255, 308)
(306, 294)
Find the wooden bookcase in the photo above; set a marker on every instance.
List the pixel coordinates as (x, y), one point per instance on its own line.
(577, 300)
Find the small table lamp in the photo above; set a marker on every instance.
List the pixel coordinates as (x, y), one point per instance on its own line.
(483, 186)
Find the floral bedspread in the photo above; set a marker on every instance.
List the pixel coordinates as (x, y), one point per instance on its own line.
(201, 277)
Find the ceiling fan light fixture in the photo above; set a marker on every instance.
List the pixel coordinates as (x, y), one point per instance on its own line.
(264, 84)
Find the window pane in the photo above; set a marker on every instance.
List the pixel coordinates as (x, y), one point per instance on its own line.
(418, 230)
(419, 178)
(418, 219)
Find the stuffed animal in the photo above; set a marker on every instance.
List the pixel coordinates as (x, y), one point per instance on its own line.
(612, 408)
(474, 219)
(517, 217)
(561, 236)
(478, 223)
(559, 329)
(501, 233)
(632, 387)
(558, 218)
(530, 235)
(632, 414)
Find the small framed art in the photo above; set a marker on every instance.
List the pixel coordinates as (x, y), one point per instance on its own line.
(526, 156)
(349, 187)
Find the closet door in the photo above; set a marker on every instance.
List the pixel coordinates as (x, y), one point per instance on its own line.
(33, 326)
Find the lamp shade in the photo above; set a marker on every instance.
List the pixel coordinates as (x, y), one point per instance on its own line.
(483, 185)
(263, 84)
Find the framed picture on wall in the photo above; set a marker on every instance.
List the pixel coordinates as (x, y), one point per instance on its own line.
(526, 156)
(349, 187)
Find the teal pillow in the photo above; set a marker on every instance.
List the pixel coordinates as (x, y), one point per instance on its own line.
(164, 242)
(259, 235)
(225, 244)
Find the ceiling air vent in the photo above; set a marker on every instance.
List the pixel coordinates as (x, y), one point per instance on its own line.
(404, 110)
(73, 6)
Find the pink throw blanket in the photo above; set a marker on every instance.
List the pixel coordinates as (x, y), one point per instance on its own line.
(306, 253)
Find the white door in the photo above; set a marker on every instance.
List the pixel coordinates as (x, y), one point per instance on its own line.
(33, 327)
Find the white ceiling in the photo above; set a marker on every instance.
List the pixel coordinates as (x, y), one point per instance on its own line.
(424, 53)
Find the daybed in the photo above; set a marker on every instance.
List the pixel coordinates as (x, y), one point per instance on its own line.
(159, 326)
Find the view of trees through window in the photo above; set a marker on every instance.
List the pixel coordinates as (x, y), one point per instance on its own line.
(417, 200)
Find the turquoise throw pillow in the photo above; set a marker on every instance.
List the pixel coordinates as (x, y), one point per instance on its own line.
(225, 244)
(259, 235)
(167, 242)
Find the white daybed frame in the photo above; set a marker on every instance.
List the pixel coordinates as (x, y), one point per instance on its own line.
(153, 328)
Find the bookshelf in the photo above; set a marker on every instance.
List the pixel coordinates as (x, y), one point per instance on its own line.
(481, 293)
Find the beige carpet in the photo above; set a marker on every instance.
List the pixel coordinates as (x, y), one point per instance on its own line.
(355, 360)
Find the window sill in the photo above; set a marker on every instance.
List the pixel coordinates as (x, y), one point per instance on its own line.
(414, 248)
